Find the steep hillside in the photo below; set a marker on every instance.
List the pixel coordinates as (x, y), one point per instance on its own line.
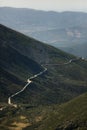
(68, 116)
(15, 68)
(20, 56)
(8, 84)
(30, 47)
(15, 62)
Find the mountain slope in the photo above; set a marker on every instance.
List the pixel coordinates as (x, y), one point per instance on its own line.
(13, 61)
(30, 47)
(8, 84)
(68, 116)
(21, 56)
(15, 68)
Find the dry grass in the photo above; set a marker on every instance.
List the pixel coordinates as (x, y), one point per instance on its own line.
(38, 118)
(19, 125)
(23, 123)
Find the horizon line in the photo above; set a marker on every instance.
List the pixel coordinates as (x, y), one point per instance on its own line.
(45, 10)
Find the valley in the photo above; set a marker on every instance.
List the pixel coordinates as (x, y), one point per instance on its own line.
(56, 83)
(65, 30)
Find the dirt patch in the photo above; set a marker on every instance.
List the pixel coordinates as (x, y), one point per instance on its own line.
(22, 123)
(38, 118)
(22, 117)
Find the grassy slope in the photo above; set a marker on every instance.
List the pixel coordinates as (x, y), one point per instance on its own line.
(14, 68)
(68, 116)
(16, 63)
(30, 47)
(8, 84)
(59, 84)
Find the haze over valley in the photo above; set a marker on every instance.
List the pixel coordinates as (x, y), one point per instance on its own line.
(64, 30)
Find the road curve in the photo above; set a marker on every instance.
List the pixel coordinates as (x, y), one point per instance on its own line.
(28, 82)
(66, 63)
(35, 76)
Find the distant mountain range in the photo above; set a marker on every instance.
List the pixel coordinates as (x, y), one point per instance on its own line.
(66, 30)
(38, 106)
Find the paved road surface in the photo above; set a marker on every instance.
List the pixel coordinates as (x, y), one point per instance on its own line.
(28, 82)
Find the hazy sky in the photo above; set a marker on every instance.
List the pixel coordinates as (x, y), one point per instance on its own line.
(57, 5)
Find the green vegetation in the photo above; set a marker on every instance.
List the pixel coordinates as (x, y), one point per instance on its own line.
(68, 116)
(20, 57)
(8, 84)
(38, 106)
(42, 105)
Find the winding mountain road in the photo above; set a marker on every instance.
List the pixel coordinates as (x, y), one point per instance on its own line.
(33, 77)
(29, 81)
(66, 63)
